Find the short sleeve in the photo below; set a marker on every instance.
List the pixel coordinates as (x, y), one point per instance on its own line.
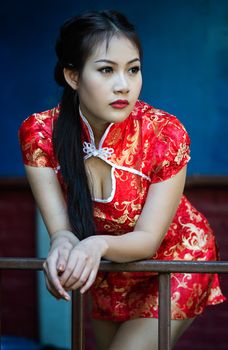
(36, 142)
(171, 151)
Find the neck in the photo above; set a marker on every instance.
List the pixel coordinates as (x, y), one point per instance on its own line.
(98, 131)
(97, 127)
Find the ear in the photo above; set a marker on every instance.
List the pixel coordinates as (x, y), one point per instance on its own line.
(71, 78)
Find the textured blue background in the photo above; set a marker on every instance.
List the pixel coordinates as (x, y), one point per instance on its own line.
(185, 72)
(185, 68)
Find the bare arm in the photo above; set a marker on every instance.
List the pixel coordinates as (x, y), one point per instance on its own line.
(70, 264)
(161, 204)
(81, 262)
(49, 198)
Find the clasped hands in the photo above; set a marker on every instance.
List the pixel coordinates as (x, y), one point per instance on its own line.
(72, 264)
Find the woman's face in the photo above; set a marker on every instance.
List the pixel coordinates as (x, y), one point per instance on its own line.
(110, 82)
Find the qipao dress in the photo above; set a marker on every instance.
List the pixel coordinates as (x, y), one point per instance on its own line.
(149, 146)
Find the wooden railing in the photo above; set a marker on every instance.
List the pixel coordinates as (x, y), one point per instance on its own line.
(163, 268)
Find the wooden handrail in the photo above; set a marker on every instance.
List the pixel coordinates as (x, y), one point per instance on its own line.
(164, 268)
(191, 181)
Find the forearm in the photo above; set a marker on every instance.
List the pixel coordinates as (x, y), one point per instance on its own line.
(137, 245)
(151, 226)
(62, 236)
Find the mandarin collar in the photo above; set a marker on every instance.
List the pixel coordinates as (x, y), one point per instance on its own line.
(103, 151)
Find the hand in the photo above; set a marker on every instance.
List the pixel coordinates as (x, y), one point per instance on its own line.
(62, 243)
(83, 264)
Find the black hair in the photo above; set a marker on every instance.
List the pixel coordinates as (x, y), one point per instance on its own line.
(77, 38)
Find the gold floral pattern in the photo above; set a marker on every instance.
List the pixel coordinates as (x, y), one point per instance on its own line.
(181, 153)
(151, 145)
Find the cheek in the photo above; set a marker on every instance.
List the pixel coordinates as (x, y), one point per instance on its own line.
(91, 95)
(135, 91)
(140, 82)
(93, 88)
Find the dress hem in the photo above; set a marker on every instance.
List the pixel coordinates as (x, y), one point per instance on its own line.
(192, 315)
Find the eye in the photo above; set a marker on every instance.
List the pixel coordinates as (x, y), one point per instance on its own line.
(106, 70)
(134, 70)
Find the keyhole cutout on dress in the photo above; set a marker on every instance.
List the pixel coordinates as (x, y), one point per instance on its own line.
(99, 178)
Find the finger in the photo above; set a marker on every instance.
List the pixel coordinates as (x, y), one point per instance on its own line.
(49, 285)
(63, 257)
(74, 268)
(51, 273)
(82, 263)
(69, 269)
(52, 290)
(89, 281)
(77, 282)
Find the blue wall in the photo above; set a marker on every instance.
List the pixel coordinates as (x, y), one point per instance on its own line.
(185, 68)
(185, 72)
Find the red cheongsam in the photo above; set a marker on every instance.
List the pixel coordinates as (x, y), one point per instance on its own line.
(148, 147)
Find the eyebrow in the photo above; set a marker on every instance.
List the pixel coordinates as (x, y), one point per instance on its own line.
(112, 62)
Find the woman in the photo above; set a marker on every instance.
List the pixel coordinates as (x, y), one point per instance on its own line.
(108, 172)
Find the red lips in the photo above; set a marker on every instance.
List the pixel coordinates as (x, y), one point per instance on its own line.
(119, 103)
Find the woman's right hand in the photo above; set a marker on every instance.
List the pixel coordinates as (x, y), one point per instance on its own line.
(62, 243)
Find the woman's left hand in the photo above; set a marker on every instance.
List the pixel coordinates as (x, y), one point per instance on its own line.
(83, 264)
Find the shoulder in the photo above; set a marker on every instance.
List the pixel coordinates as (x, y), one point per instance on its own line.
(157, 122)
(39, 122)
(165, 141)
(35, 138)
(158, 127)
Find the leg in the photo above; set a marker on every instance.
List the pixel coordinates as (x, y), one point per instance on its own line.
(104, 331)
(178, 327)
(142, 333)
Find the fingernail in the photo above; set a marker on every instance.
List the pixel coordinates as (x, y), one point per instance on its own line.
(67, 297)
(60, 268)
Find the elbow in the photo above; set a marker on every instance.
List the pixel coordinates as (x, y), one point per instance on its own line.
(151, 246)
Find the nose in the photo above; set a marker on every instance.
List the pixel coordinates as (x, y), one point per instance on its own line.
(121, 84)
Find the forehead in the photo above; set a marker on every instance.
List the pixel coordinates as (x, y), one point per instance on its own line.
(119, 48)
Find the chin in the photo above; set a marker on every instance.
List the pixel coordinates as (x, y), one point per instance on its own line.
(119, 116)
(119, 119)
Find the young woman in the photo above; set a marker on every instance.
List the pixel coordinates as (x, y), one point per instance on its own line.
(108, 171)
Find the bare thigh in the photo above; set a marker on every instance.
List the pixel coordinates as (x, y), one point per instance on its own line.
(142, 333)
(104, 332)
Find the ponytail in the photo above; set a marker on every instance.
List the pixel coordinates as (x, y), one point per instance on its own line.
(67, 141)
(78, 38)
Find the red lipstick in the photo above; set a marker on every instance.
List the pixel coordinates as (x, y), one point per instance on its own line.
(119, 104)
